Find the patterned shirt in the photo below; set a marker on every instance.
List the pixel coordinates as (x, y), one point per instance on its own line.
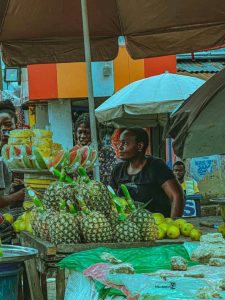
(107, 161)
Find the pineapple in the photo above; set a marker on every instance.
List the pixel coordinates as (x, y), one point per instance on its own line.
(56, 192)
(123, 229)
(64, 226)
(94, 226)
(126, 231)
(142, 218)
(64, 229)
(146, 223)
(40, 223)
(94, 193)
(39, 217)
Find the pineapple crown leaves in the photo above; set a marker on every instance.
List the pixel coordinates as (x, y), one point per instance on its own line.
(143, 205)
(62, 204)
(62, 177)
(31, 193)
(128, 197)
(83, 205)
(72, 208)
(117, 203)
(115, 198)
(83, 173)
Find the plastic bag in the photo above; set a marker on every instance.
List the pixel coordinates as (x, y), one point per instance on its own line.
(79, 287)
(143, 260)
(155, 288)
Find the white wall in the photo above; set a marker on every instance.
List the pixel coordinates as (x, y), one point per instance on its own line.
(60, 120)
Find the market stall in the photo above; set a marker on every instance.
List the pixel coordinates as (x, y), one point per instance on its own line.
(50, 254)
(65, 215)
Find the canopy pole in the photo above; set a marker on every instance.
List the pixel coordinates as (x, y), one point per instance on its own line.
(91, 102)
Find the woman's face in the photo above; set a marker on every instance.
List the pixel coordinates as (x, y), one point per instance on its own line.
(128, 147)
(7, 123)
(83, 135)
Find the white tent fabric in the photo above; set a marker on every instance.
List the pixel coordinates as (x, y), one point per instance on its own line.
(147, 102)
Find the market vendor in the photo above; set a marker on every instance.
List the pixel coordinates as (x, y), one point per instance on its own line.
(8, 197)
(106, 155)
(148, 179)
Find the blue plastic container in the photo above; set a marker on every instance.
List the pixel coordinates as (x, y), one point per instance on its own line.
(9, 281)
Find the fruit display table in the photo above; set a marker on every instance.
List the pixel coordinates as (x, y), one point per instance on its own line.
(50, 254)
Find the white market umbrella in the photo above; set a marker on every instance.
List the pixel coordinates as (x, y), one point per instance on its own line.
(147, 102)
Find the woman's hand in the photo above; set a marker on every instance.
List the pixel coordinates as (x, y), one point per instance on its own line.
(17, 185)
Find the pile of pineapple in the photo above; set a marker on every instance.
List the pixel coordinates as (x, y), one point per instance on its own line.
(86, 211)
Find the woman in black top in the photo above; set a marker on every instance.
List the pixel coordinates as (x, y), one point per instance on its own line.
(149, 180)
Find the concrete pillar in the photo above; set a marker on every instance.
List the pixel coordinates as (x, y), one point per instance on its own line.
(60, 121)
(41, 116)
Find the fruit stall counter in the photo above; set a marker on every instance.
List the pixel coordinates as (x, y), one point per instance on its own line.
(50, 254)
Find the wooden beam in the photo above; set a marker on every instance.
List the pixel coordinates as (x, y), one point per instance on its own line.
(33, 280)
(44, 248)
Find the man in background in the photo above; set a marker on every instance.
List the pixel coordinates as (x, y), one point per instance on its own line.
(191, 191)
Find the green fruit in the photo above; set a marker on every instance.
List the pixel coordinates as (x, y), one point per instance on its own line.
(186, 229)
(161, 234)
(8, 217)
(195, 234)
(221, 229)
(173, 232)
(159, 218)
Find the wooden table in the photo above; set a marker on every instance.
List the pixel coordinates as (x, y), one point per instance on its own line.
(50, 254)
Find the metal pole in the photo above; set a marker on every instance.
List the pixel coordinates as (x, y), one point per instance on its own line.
(87, 50)
(1, 76)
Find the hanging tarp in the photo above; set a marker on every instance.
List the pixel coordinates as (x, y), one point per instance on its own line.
(50, 31)
(197, 127)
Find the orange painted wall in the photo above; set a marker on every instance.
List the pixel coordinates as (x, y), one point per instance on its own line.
(71, 80)
(42, 82)
(158, 65)
(126, 70)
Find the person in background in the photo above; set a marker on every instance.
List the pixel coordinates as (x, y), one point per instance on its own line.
(190, 186)
(8, 121)
(106, 154)
(148, 179)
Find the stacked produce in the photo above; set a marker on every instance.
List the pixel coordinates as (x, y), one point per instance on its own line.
(34, 149)
(87, 211)
(133, 224)
(42, 140)
(27, 149)
(23, 222)
(70, 160)
(172, 229)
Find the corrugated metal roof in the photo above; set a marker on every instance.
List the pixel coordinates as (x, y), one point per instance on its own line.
(204, 76)
(200, 67)
(210, 54)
